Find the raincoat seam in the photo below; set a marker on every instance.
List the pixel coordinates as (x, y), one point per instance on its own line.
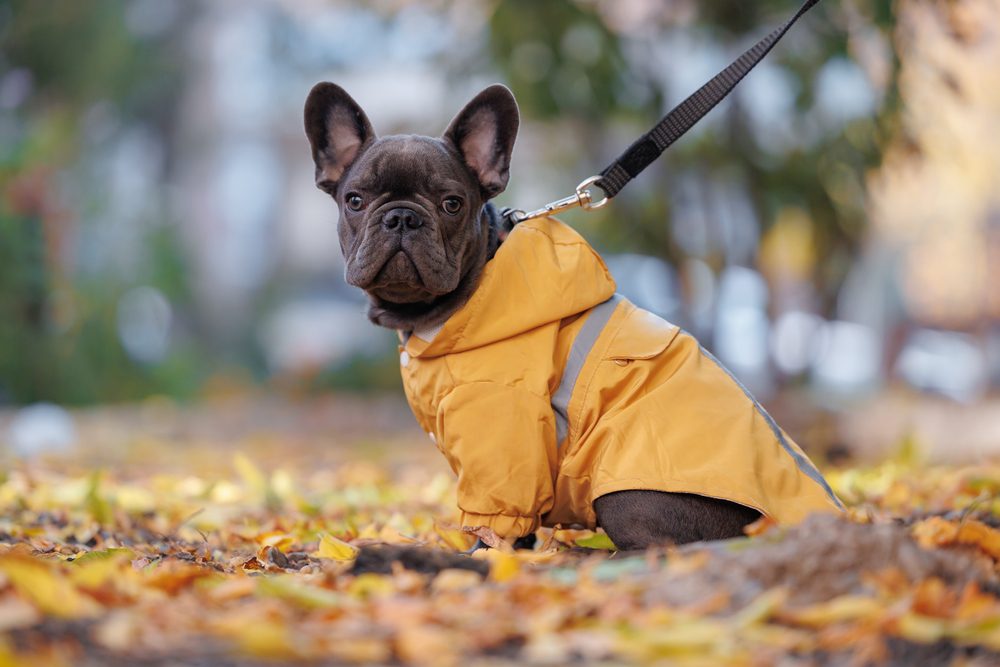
(801, 462)
(504, 514)
(453, 383)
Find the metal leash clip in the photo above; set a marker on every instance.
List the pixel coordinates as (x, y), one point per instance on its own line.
(582, 198)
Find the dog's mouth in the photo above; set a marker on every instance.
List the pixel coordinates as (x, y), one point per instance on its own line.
(399, 281)
(402, 269)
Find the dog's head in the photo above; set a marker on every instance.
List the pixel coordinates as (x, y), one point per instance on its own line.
(412, 228)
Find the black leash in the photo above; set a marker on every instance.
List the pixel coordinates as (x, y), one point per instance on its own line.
(651, 145)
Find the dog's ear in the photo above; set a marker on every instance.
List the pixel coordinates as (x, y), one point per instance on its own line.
(483, 133)
(338, 130)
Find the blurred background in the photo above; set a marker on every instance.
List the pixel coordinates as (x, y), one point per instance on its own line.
(831, 231)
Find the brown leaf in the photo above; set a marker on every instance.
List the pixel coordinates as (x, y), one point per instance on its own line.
(273, 555)
(489, 537)
(252, 563)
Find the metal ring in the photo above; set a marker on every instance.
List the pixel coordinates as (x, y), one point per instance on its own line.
(513, 215)
(586, 199)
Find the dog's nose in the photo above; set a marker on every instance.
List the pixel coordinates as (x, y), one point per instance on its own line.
(399, 217)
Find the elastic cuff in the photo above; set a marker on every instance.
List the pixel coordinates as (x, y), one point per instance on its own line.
(502, 524)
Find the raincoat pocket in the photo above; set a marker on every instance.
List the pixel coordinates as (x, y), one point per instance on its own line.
(642, 335)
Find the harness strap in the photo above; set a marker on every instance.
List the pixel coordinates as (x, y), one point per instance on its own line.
(682, 118)
(596, 320)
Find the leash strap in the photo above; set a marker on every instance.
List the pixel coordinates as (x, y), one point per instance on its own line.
(682, 118)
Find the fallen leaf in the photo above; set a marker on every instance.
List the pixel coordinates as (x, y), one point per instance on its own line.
(503, 566)
(489, 537)
(288, 588)
(334, 549)
(453, 536)
(269, 554)
(938, 532)
(46, 587)
(596, 541)
(837, 610)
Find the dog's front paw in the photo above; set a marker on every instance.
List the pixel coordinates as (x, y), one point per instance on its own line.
(526, 543)
(476, 547)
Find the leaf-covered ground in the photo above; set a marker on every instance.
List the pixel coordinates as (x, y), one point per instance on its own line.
(163, 540)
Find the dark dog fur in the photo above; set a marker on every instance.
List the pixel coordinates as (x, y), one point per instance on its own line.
(416, 231)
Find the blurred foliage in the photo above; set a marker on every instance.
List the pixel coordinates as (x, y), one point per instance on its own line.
(58, 338)
(563, 62)
(572, 66)
(369, 373)
(815, 178)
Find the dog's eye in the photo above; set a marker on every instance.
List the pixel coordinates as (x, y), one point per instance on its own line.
(355, 202)
(452, 205)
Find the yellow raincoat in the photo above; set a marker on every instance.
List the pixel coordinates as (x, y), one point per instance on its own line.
(546, 391)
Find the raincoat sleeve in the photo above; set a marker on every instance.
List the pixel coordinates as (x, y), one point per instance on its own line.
(500, 441)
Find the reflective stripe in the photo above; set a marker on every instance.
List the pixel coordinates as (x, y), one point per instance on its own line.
(802, 462)
(578, 353)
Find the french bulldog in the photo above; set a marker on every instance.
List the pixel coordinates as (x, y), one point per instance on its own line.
(417, 229)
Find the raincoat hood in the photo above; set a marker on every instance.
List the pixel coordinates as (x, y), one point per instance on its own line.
(544, 272)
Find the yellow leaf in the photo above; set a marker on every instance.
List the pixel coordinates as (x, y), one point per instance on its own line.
(369, 532)
(286, 587)
(93, 569)
(360, 650)
(368, 585)
(48, 589)
(275, 538)
(334, 549)
(266, 640)
(763, 607)
(503, 566)
(113, 554)
(837, 610)
(921, 629)
(7, 656)
(454, 537)
(251, 475)
(684, 636)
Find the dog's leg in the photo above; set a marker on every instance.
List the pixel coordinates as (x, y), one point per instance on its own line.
(638, 519)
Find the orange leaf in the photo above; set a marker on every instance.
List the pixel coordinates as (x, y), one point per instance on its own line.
(932, 597)
(938, 532)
